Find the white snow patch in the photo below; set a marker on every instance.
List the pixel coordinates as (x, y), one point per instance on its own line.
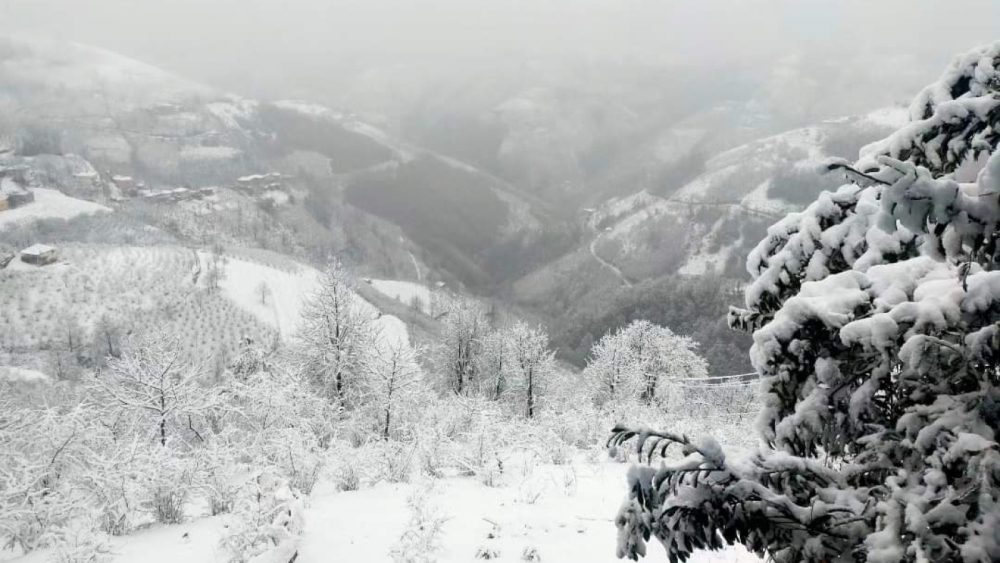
(159, 544)
(282, 308)
(535, 509)
(405, 292)
(22, 375)
(49, 204)
(191, 152)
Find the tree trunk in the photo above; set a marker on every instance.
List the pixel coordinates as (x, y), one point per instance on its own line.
(163, 420)
(531, 393)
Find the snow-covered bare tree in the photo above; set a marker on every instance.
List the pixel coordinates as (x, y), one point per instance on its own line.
(391, 382)
(152, 385)
(335, 331)
(531, 364)
(610, 373)
(494, 365)
(273, 419)
(465, 326)
(636, 360)
(44, 453)
(264, 292)
(877, 333)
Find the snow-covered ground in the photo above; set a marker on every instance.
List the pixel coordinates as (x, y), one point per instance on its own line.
(286, 291)
(49, 204)
(565, 513)
(194, 542)
(22, 375)
(405, 292)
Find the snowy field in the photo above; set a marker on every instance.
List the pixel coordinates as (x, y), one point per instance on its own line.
(286, 291)
(49, 204)
(405, 292)
(562, 513)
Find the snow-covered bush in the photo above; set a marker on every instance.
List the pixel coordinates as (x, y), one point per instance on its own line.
(220, 473)
(115, 485)
(45, 452)
(876, 314)
(421, 539)
(268, 518)
(394, 461)
(275, 419)
(348, 467)
(167, 478)
(80, 543)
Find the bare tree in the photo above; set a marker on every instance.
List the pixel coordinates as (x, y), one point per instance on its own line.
(108, 332)
(264, 292)
(391, 380)
(465, 326)
(335, 330)
(532, 363)
(153, 385)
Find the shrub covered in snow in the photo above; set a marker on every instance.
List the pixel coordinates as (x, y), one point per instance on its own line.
(876, 314)
(268, 519)
(636, 361)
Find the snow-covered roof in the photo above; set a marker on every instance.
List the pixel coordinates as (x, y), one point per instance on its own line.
(38, 250)
(121, 178)
(9, 186)
(258, 177)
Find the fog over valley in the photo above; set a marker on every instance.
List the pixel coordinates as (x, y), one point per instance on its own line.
(533, 280)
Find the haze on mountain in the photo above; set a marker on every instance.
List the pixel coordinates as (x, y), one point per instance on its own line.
(284, 47)
(411, 280)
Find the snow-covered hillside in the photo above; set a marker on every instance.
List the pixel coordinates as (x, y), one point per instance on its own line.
(275, 295)
(49, 63)
(49, 204)
(712, 219)
(406, 292)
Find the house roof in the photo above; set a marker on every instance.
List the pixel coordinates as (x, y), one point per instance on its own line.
(38, 250)
(10, 186)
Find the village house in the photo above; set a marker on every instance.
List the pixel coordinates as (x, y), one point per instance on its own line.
(125, 184)
(12, 191)
(259, 182)
(39, 254)
(88, 178)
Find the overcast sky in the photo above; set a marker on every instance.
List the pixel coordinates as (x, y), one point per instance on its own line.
(230, 40)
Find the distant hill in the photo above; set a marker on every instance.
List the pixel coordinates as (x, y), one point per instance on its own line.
(346, 187)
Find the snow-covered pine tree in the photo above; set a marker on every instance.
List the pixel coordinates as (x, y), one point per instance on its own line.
(877, 332)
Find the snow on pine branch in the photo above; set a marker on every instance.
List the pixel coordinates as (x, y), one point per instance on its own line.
(876, 324)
